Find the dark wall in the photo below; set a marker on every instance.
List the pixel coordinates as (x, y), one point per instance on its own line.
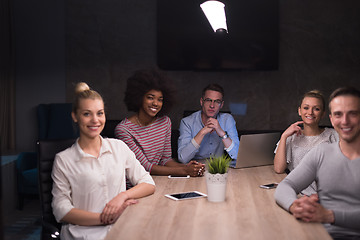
(59, 43)
(319, 48)
(39, 40)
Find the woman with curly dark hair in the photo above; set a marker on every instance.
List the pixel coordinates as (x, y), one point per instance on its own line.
(148, 132)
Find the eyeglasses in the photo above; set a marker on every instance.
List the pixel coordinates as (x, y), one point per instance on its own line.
(208, 101)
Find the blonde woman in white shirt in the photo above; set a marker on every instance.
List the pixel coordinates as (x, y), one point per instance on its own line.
(300, 137)
(89, 190)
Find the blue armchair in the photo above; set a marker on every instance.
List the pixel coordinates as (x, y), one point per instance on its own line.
(27, 176)
(54, 123)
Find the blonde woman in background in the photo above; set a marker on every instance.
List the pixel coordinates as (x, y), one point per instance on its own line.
(300, 137)
(89, 190)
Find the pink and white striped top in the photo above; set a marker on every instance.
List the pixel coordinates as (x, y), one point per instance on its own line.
(151, 144)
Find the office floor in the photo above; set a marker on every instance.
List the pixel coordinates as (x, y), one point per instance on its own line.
(24, 224)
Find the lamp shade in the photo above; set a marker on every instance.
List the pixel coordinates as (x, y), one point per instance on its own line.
(215, 13)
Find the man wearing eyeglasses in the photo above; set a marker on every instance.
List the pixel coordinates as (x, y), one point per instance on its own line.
(208, 132)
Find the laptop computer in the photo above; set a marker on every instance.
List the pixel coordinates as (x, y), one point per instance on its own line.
(256, 149)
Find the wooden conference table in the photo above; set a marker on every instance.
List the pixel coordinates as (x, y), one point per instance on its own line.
(249, 212)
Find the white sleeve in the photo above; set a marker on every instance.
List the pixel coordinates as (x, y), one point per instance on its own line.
(135, 172)
(61, 191)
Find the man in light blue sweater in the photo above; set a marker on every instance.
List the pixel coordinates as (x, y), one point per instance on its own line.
(336, 170)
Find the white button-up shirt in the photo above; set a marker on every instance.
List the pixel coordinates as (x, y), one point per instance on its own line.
(85, 182)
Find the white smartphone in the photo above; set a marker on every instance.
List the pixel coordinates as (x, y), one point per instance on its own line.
(269, 186)
(185, 195)
(172, 176)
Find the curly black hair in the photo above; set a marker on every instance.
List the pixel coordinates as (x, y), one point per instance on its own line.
(141, 82)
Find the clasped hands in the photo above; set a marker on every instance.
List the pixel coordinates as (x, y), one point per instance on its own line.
(195, 169)
(115, 208)
(309, 209)
(211, 125)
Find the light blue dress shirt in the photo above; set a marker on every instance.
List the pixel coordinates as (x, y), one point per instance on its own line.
(211, 144)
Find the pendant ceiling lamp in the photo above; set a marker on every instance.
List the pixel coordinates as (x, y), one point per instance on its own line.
(215, 13)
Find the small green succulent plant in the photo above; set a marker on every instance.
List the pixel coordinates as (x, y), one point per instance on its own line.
(218, 164)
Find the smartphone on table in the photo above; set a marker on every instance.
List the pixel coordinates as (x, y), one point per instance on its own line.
(269, 186)
(185, 195)
(174, 176)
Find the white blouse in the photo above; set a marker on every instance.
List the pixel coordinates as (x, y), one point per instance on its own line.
(85, 182)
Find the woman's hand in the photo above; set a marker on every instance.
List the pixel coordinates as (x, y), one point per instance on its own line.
(195, 169)
(115, 208)
(280, 163)
(293, 129)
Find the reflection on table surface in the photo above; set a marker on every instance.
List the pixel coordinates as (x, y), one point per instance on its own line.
(249, 212)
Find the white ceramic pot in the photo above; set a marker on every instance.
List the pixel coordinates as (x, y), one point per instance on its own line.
(216, 186)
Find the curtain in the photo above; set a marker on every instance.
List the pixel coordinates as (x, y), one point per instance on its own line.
(7, 80)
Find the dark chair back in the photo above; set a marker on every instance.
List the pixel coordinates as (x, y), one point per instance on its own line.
(47, 149)
(109, 129)
(174, 143)
(55, 122)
